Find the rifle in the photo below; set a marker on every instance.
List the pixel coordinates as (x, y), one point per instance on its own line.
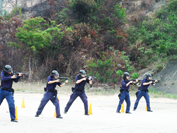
(17, 74)
(65, 78)
(93, 80)
(139, 80)
(61, 78)
(153, 81)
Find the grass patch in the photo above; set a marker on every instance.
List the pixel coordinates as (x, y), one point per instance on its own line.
(158, 94)
(38, 87)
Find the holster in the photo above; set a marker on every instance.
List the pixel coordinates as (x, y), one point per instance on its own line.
(119, 95)
(12, 90)
(72, 89)
(45, 89)
(136, 94)
(121, 90)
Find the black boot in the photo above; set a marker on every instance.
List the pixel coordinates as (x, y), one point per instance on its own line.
(86, 114)
(150, 111)
(134, 109)
(13, 120)
(117, 111)
(59, 117)
(128, 112)
(36, 115)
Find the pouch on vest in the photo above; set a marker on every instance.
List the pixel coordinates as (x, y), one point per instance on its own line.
(45, 89)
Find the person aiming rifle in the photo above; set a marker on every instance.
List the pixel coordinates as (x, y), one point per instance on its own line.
(51, 94)
(6, 90)
(79, 90)
(143, 91)
(124, 92)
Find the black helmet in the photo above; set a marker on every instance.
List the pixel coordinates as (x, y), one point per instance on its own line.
(125, 75)
(8, 68)
(148, 75)
(55, 73)
(82, 72)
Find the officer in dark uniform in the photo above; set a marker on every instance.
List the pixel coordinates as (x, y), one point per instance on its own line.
(51, 93)
(124, 95)
(80, 82)
(6, 91)
(143, 91)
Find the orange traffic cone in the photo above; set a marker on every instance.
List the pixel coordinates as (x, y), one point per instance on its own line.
(55, 113)
(16, 116)
(90, 109)
(59, 100)
(23, 103)
(122, 108)
(146, 108)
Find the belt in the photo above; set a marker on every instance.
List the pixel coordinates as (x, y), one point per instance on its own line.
(145, 90)
(6, 89)
(50, 90)
(80, 90)
(124, 90)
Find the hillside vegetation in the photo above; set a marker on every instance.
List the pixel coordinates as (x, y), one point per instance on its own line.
(89, 34)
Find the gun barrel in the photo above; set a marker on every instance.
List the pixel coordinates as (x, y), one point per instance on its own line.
(135, 80)
(155, 80)
(66, 78)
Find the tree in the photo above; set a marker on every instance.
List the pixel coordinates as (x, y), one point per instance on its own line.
(36, 36)
(32, 37)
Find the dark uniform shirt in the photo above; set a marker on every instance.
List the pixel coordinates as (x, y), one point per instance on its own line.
(144, 87)
(6, 81)
(81, 85)
(124, 87)
(51, 87)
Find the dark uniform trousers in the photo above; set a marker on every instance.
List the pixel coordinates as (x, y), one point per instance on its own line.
(73, 96)
(146, 96)
(10, 100)
(49, 96)
(124, 96)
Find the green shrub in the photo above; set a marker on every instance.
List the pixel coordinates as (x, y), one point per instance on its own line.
(120, 12)
(135, 75)
(158, 35)
(106, 68)
(119, 72)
